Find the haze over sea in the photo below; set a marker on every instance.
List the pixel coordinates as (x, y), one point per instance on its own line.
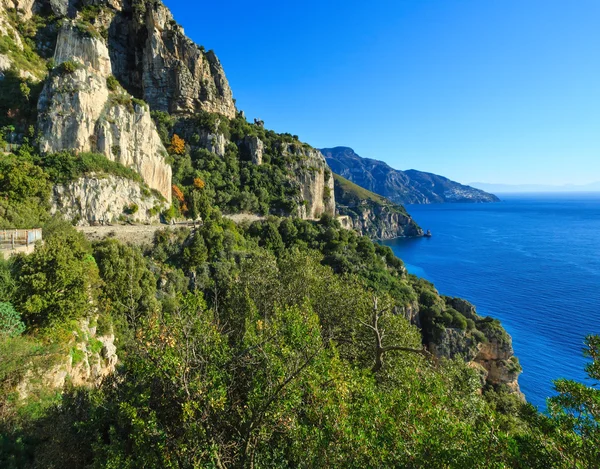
(532, 261)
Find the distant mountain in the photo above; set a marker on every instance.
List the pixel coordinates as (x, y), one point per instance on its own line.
(401, 187)
(506, 188)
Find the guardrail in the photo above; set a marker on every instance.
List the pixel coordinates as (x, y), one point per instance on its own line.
(11, 239)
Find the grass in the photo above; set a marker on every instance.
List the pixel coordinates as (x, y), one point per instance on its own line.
(356, 192)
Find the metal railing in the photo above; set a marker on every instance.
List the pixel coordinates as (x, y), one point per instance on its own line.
(10, 239)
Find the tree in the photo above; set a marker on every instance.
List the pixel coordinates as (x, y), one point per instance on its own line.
(129, 287)
(576, 413)
(59, 281)
(177, 146)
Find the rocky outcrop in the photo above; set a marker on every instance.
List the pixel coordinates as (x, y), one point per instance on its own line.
(313, 179)
(382, 222)
(489, 349)
(8, 59)
(93, 200)
(92, 358)
(78, 112)
(372, 215)
(157, 62)
(255, 148)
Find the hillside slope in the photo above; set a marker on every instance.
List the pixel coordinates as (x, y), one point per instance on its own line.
(402, 187)
(370, 214)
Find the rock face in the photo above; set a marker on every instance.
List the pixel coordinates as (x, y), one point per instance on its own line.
(372, 215)
(93, 357)
(314, 180)
(255, 147)
(100, 200)
(154, 60)
(494, 356)
(381, 222)
(401, 187)
(24, 9)
(78, 112)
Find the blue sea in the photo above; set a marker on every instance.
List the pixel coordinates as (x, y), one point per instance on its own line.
(532, 261)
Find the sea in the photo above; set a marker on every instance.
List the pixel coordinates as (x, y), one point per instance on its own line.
(532, 261)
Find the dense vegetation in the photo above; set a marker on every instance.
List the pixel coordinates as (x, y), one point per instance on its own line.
(231, 181)
(256, 347)
(282, 343)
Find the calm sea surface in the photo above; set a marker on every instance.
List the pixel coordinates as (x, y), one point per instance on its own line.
(532, 261)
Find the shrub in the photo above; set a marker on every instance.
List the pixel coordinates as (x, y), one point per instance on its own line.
(65, 166)
(69, 67)
(77, 356)
(10, 321)
(139, 102)
(112, 83)
(131, 209)
(460, 321)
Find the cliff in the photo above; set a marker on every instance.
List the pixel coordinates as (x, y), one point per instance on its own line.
(487, 346)
(314, 180)
(401, 187)
(81, 109)
(92, 357)
(93, 200)
(157, 62)
(370, 214)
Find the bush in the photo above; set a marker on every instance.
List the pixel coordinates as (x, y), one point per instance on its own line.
(112, 83)
(66, 166)
(131, 209)
(69, 67)
(10, 321)
(59, 281)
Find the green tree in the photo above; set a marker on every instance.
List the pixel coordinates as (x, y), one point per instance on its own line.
(59, 281)
(575, 412)
(129, 290)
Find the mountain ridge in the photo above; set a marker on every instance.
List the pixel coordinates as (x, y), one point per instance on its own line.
(402, 187)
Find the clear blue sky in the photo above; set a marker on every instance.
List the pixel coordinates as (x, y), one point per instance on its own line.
(476, 90)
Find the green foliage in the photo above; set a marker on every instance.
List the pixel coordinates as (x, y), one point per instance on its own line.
(575, 412)
(77, 356)
(112, 83)
(69, 67)
(18, 103)
(25, 58)
(66, 166)
(164, 124)
(353, 194)
(10, 321)
(129, 287)
(24, 193)
(58, 282)
(131, 209)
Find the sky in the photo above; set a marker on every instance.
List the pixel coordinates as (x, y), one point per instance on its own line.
(497, 91)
